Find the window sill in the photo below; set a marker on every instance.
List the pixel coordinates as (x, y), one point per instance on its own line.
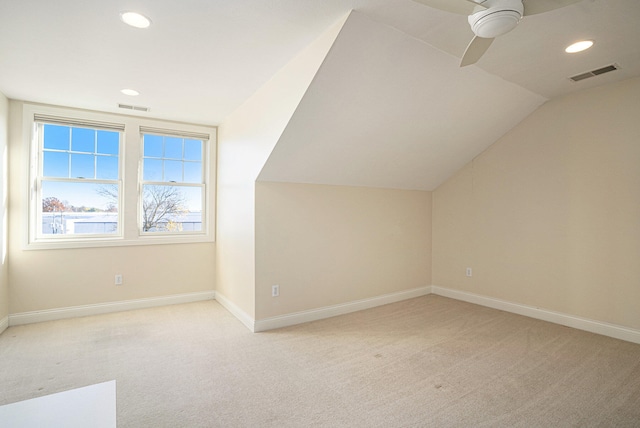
(118, 242)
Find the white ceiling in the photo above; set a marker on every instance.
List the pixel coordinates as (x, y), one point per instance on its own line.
(201, 59)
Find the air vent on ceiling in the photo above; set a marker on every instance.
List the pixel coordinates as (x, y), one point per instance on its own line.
(595, 72)
(130, 107)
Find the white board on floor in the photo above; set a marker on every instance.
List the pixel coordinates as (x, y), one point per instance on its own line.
(91, 406)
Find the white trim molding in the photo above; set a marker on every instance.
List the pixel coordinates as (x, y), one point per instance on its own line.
(4, 324)
(129, 126)
(340, 309)
(241, 315)
(598, 327)
(104, 308)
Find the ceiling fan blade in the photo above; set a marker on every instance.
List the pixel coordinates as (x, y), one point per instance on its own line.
(462, 7)
(477, 47)
(533, 7)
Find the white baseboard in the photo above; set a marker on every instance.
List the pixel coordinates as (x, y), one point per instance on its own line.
(242, 316)
(4, 324)
(598, 327)
(341, 309)
(104, 308)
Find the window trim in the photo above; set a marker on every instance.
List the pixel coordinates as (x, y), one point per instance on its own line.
(205, 139)
(35, 208)
(129, 158)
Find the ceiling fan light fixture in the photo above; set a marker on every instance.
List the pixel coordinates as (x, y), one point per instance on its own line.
(501, 17)
(490, 19)
(135, 19)
(579, 46)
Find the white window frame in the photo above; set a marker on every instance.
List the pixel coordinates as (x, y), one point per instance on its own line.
(130, 158)
(38, 159)
(205, 138)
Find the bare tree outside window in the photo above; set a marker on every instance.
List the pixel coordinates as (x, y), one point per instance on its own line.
(160, 206)
(110, 192)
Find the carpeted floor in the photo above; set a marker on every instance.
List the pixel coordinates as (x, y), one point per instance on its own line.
(425, 362)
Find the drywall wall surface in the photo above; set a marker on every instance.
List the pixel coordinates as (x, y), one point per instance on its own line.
(235, 276)
(247, 138)
(549, 216)
(77, 277)
(452, 231)
(60, 278)
(327, 245)
(4, 284)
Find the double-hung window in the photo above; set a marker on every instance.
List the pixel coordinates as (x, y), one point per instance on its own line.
(78, 184)
(100, 179)
(173, 184)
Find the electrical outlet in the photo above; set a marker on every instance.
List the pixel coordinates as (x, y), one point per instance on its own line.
(469, 272)
(275, 290)
(118, 279)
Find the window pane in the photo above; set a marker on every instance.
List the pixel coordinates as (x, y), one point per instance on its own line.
(79, 208)
(56, 137)
(152, 170)
(56, 164)
(107, 168)
(171, 209)
(83, 140)
(193, 150)
(192, 172)
(172, 171)
(193, 198)
(108, 142)
(172, 148)
(82, 166)
(153, 146)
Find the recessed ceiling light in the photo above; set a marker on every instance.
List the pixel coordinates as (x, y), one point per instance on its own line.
(135, 19)
(130, 92)
(579, 46)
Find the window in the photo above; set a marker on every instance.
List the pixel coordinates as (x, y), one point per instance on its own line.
(173, 183)
(78, 184)
(100, 179)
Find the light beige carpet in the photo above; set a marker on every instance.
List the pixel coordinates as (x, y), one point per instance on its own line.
(425, 362)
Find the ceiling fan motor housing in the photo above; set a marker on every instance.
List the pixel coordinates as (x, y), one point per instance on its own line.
(501, 17)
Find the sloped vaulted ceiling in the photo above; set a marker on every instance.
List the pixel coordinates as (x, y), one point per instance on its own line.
(389, 107)
(388, 110)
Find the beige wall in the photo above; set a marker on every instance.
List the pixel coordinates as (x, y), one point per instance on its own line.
(247, 138)
(549, 216)
(4, 283)
(327, 245)
(50, 279)
(60, 278)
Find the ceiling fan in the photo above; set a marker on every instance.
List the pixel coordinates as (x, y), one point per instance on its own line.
(492, 18)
